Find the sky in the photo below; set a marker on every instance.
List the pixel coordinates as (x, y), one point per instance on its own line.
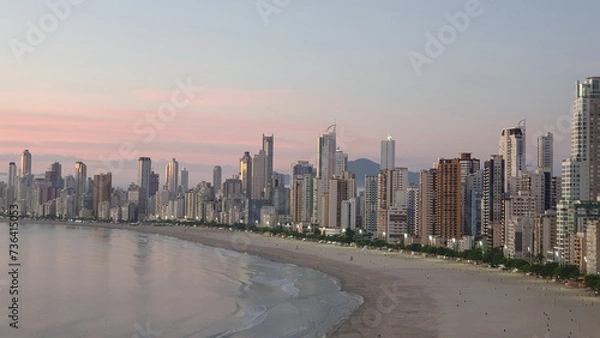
(108, 81)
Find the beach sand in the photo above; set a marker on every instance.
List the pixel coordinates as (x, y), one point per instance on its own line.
(412, 296)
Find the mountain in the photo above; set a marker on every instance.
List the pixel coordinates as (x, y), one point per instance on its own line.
(363, 166)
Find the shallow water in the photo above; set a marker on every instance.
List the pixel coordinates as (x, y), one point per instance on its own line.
(90, 282)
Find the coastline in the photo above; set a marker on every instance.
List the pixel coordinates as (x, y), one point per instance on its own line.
(406, 296)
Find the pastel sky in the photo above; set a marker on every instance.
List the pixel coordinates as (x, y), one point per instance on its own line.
(84, 89)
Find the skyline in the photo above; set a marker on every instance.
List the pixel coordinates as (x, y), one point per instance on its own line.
(308, 67)
(203, 172)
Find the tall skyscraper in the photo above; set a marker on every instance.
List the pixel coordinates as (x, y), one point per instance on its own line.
(11, 190)
(267, 147)
(144, 169)
(427, 205)
(468, 165)
(80, 178)
(370, 204)
(326, 158)
(25, 168)
(545, 152)
(259, 176)
(581, 171)
(387, 157)
(449, 198)
(154, 183)
(12, 175)
(246, 174)
(492, 204)
(57, 169)
(326, 148)
(102, 190)
(184, 179)
(512, 148)
(217, 178)
(172, 178)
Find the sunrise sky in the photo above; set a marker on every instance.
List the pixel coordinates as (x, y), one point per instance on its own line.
(82, 90)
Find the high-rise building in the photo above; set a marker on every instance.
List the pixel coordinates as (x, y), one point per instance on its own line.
(370, 204)
(11, 189)
(512, 149)
(301, 191)
(428, 205)
(468, 166)
(387, 157)
(57, 180)
(144, 170)
(326, 148)
(233, 187)
(52, 177)
(267, 147)
(341, 188)
(301, 199)
(246, 174)
(592, 242)
(391, 192)
(341, 162)
(154, 183)
(472, 203)
(449, 198)
(172, 178)
(217, 178)
(545, 152)
(80, 178)
(412, 204)
(12, 175)
(492, 202)
(102, 190)
(544, 235)
(184, 179)
(259, 176)
(326, 160)
(581, 171)
(25, 168)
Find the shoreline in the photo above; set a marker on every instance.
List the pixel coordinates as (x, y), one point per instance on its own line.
(412, 296)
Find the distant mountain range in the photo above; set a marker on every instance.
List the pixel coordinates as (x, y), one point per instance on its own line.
(363, 166)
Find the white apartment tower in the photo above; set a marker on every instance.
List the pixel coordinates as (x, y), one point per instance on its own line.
(581, 171)
(387, 157)
(512, 149)
(171, 177)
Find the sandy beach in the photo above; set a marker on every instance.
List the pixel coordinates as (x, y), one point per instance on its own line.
(408, 296)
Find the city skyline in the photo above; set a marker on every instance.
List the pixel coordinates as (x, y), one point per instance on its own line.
(130, 169)
(291, 81)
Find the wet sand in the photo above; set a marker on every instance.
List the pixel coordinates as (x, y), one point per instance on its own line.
(411, 296)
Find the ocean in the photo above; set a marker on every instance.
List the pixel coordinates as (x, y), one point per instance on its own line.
(77, 281)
